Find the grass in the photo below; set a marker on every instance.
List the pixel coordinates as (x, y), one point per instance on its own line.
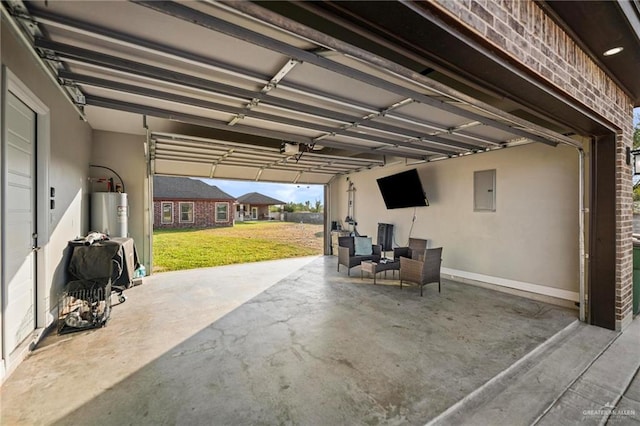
(178, 249)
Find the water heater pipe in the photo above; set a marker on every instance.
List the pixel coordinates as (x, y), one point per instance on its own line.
(112, 171)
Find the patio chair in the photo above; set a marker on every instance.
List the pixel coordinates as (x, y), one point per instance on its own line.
(349, 255)
(424, 271)
(415, 244)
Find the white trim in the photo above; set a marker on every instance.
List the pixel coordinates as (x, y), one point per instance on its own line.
(193, 212)
(162, 221)
(518, 285)
(254, 210)
(216, 211)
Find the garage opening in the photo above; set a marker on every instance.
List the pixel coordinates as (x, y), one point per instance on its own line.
(278, 101)
(201, 222)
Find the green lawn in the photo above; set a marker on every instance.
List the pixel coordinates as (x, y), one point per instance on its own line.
(245, 242)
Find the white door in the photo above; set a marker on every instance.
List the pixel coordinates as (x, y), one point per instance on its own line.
(20, 230)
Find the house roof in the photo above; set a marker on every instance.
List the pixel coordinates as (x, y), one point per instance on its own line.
(257, 198)
(170, 187)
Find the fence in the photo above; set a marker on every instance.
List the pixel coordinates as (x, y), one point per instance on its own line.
(304, 217)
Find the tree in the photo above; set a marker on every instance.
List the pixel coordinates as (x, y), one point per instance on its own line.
(303, 207)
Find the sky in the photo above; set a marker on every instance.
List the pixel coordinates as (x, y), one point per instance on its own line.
(289, 193)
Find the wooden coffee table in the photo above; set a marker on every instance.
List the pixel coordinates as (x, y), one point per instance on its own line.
(375, 267)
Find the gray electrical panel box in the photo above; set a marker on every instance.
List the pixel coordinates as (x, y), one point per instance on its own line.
(484, 191)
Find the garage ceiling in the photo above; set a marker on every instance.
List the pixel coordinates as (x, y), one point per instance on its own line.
(279, 105)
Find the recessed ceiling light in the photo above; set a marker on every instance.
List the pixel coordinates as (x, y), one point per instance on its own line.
(613, 51)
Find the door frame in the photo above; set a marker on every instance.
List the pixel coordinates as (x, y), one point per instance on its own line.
(43, 301)
(602, 258)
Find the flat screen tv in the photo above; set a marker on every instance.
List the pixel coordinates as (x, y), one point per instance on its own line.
(402, 190)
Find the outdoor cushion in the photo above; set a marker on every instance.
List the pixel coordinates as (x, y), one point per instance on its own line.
(363, 246)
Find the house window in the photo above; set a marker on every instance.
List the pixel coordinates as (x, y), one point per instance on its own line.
(186, 212)
(222, 212)
(167, 212)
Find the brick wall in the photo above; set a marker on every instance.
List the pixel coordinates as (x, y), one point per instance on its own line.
(531, 39)
(523, 31)
(204, 214)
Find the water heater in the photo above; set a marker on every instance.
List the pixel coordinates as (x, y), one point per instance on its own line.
(110, 213)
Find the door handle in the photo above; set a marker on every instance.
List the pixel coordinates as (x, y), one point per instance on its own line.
(34, 247)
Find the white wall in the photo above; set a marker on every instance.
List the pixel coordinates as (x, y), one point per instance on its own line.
(532, 237)
(69, 151)
(124, 153)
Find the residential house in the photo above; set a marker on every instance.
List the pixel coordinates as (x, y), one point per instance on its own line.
(180, 202)
(255, 206)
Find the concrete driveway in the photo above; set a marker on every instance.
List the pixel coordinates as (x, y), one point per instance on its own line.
(279, 342)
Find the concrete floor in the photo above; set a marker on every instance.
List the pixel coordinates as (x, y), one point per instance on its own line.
(281, 342)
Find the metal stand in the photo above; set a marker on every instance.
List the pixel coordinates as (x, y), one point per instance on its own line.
(350, 219)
